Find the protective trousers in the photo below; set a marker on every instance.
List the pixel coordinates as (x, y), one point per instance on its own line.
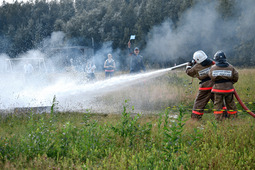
(201, 100)
(230, 104)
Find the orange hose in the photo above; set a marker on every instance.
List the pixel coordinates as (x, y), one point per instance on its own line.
(243, 105)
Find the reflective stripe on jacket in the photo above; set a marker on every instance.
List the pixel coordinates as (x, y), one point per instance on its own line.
(223, 78)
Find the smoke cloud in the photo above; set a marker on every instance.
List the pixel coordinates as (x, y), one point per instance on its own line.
(201, 28)
(57, 69)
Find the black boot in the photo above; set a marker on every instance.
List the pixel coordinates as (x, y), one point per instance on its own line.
(196, 117)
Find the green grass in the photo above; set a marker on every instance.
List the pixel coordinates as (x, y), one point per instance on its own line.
(132, 141)
(126, 141)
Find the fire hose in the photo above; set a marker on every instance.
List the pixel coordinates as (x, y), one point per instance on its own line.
(243, 105)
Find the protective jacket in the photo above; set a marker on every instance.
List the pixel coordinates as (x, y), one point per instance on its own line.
(200, 71)
(223, 78)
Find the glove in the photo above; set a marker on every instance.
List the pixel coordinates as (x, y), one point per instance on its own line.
(191, 63)
(188, 67)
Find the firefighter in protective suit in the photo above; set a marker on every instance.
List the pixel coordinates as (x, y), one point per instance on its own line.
(224, 75)
(199, 68)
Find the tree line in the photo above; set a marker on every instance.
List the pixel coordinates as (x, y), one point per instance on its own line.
(24, 25)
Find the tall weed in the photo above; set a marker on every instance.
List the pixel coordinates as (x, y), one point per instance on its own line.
(130, 126)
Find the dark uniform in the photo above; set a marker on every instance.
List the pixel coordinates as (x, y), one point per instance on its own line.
(200, 71)
(224, 75)
(136, 63)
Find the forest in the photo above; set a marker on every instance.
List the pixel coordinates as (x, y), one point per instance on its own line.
(167, 31)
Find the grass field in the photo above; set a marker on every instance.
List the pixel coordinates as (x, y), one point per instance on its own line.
(151, 130)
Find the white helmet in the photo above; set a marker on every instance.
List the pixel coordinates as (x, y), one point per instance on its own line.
(199, 56)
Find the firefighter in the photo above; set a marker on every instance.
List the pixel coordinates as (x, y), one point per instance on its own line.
(199, 68)
(224, 75)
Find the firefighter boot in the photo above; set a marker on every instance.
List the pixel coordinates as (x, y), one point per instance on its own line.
(225, 113)
(196, 117)
(232, 116)
(218, 117)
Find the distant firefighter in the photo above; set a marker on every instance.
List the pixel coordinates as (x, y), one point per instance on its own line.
(224, 75)
(109, 66)
(199, 68)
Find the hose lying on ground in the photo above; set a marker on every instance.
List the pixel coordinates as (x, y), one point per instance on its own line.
(243, 105)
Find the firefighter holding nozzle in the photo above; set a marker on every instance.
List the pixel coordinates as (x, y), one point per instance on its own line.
(199, 68)
(224, 75)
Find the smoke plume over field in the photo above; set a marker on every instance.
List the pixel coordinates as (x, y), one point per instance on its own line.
(202, 28)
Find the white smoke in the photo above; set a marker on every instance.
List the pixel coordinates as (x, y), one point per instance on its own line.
(201, 28)
(101, 55)
(70, 86)
(247, 24)
(72, 93)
